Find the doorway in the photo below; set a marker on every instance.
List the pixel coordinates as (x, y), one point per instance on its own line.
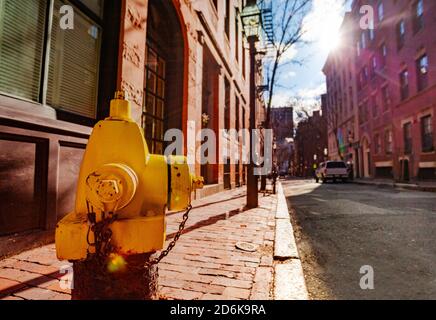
(405, 170)
(164, 74)
(210, 92)
(366, 155)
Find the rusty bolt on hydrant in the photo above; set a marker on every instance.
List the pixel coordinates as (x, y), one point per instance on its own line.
(118, 224)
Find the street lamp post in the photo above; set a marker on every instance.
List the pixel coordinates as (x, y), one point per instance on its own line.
(251, 19)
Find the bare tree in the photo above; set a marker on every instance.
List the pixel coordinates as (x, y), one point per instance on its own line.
(333, 126)
(332, 119)
(287, 17)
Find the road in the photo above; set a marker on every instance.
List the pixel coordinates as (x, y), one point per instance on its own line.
(342, 227)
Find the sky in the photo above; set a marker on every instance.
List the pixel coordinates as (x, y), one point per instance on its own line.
(306, 81)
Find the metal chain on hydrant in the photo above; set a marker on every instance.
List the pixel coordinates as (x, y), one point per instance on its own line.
(173, 243)
(102, 235)
(152, 282)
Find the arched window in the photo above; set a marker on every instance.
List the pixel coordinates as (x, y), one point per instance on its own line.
(163, 92)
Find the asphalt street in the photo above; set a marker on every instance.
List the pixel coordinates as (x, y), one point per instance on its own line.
(342, 227)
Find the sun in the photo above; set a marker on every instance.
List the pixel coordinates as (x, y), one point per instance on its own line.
(330, 38)
(323, 23)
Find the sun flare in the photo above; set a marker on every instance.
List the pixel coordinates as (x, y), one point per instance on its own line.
(323, 23)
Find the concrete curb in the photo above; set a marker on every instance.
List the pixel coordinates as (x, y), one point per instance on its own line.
(400, 186)
(289, 282)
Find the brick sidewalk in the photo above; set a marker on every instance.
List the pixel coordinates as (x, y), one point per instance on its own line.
(205, 264)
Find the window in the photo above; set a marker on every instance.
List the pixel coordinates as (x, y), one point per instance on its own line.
(227, 20)
(227, 105)
(427, 134)
(74, 64)
(236, 36)
(373, 66)
(215, 4)
(237, 119)
(401, 33)
(388, 141)
(371, 34)
(418, 15)
(154, 102)
(365, 75)
(380, 10)
(407, 133)
(336, 165)
(363, 113)
(366, 111)
(244, 126)
(422, 72)
(386, 97)
(95, 6)
(377, 142)
(22, 26)
(374, 106)
(345, 102)
(363, 40)
(404, 84)
(244, 61)
(383, 54)
(73, 67)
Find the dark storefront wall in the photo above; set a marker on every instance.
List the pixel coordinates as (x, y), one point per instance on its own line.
(39, 166)
(41, 147)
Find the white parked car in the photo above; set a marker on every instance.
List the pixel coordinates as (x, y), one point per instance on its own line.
(332, 170)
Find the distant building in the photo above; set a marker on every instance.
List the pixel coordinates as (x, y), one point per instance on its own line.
(310, 144)
(339, 104)
(282, 121)
(394, 73)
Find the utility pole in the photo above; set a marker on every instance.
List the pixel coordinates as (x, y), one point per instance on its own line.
(251, 19)
(252, 184)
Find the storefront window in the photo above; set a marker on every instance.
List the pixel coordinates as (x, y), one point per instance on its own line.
(71, 81)
(154, 102)
(22, 27)
(74, 65)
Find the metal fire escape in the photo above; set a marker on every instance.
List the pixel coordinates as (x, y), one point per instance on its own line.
(267, 24)
(267, 37)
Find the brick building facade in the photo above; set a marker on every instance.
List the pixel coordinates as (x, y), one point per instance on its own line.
(310, 144)
(395, 81)
(177, 60)
(282, 122)
(340, 108)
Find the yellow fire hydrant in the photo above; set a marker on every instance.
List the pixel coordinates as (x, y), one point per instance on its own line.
(124, 191)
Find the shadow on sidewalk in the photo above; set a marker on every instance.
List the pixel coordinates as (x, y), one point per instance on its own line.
(207, 205)
(210, 221)
(41, 279)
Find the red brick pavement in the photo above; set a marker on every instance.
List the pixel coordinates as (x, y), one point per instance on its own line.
(205, 264)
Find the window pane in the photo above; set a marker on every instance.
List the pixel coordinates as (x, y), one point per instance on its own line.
(95, 5)
(159, 109)
(152, 60)
(158, 130)
(74, 65)
(149, 107)
(158, 148)
(161, 68)
(380, 12)
(149, 128)
(151, 82)
(161, 88)
(21, 46)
